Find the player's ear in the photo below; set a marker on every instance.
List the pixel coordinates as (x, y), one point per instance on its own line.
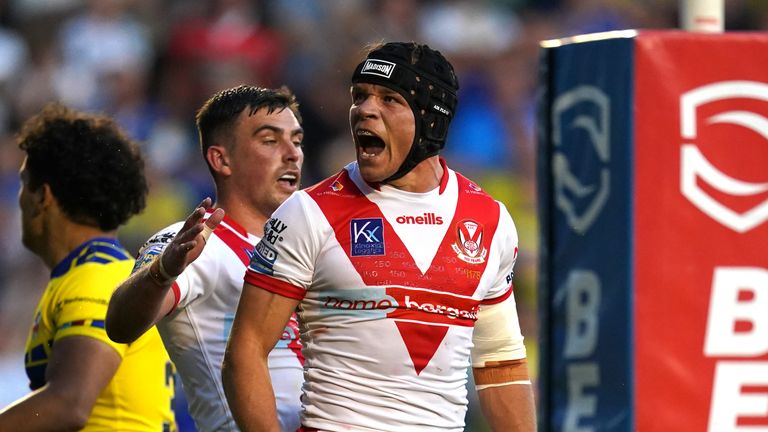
(42, 199)
(218, 159)
(46, 196)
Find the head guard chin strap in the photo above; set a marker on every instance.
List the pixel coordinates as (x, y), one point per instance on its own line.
(427, 82)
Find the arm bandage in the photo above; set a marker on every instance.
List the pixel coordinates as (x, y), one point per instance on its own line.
(498, 355)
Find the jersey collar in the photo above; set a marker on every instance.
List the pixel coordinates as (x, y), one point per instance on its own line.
(230, 222)
(64, 265)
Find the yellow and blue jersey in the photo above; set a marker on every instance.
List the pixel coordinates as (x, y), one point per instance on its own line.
(75, 303)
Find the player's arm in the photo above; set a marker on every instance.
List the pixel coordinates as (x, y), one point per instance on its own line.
(500, 369)
(78, 370)
(498, 402)
(510, 405)
(258, 325)
(146, 296)
(499, 360)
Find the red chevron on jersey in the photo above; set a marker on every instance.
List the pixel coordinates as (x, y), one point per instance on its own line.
(423, 315)
(422, 341)
(226, 231)
(348, 203)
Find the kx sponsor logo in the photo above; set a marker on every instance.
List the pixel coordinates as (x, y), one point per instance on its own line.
(367, 237)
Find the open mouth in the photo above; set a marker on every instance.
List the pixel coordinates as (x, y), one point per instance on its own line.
(290, 179)
(370, 144)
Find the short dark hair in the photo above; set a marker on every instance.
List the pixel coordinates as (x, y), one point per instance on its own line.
(221, 110)
(93, 169)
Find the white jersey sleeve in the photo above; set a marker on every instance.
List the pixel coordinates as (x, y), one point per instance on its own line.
(288, 249)
(506, 242)
(497, 335)
(195, 333)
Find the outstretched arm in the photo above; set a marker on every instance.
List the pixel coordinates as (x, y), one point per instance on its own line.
(258, 325)
(145, 297)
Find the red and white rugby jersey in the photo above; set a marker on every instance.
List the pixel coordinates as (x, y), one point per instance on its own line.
(390, 284)
(195, 333)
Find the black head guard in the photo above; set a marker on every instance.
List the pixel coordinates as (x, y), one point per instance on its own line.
(427, 82)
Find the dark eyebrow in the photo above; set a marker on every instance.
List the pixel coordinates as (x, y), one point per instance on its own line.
(268, 127)
(276, 129)
(388, 91)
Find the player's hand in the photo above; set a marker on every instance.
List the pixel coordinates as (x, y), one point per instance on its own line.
(191, 239)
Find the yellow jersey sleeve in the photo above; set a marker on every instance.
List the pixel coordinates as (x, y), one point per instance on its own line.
(80, 306)
(139, 395)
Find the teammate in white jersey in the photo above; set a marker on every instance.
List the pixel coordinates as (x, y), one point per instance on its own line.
(402, 272)
(251, 139)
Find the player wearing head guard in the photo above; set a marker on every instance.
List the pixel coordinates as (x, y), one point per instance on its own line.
(400, 267)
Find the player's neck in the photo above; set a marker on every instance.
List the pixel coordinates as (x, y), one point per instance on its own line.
(65, 236)
(426, 176)
(251, 219)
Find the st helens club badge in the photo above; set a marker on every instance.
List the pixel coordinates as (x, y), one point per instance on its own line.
(469, 242)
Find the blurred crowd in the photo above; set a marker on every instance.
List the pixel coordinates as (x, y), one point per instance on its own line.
(151, 63)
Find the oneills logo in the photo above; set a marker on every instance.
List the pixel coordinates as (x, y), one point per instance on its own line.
(469, 242)
(425, 219)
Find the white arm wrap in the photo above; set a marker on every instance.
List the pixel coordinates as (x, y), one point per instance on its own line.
(206, 232)
(497, 335)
